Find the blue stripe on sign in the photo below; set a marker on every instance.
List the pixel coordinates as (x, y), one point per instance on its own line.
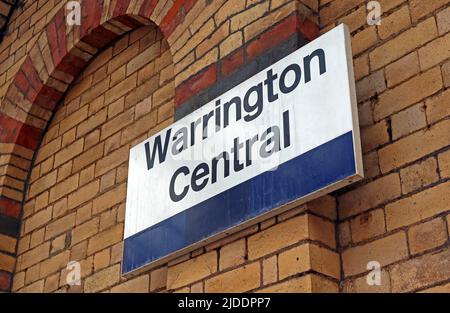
(313, 170)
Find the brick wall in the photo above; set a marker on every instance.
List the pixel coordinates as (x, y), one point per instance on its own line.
(399, 214)
(111, 87)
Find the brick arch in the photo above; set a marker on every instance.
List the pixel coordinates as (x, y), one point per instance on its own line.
(60, 53)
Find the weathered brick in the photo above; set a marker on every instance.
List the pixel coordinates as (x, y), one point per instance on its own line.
(85, 230)
(270, 270)
(158, 278)
(363, 40)
(444, 164)
(7, 243)
(401, 70)
(437, 106)
(420, 8)
(403, 43)
(360, 285)
(370, 86)
(443, 21)
(374, 136)
(386, 250)
(59, 226)
(192, 270)
(427, 235)
(136, 285)
(232, 254)
(408, 121)
(370, 195)
(394, 22)
(54, 264)
(108, 199)
(103, 279)
(63, 188)
(7, 262)
(37, 220)
(83, 194)
(419, 175)
(419, 206)
(408, 93)
(242, 279)
(34, 256)
(105, 239)
(367, 225)
(434, 52)
(415, 146)
(277, 237)
(422, 271)
(111, 161)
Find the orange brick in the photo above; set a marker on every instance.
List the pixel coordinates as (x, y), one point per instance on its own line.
(415, 146)
(242, 279)
(419, 206)
(192, 270)
(368, 225)
(386, 251)
(401, 70)
(277, 237)
(232, 254)
(419, 175)
(408, 93)
(420, 272)
(444, 164)
(437, 107)
(7, 244)
(103, 279)
(370, 195)
(7, 262)
(435, 52)
(136, 285)
(408, 121)
(394, 22)
(426, 236)
(403, 43)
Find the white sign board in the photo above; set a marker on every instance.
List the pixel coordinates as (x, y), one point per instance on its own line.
(288, 134)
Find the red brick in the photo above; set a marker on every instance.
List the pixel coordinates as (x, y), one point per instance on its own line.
(196, 84)
(232, 62)
(5, 281)
(9, 207)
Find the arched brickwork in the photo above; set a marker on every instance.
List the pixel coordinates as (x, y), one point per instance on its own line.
(61, 52)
